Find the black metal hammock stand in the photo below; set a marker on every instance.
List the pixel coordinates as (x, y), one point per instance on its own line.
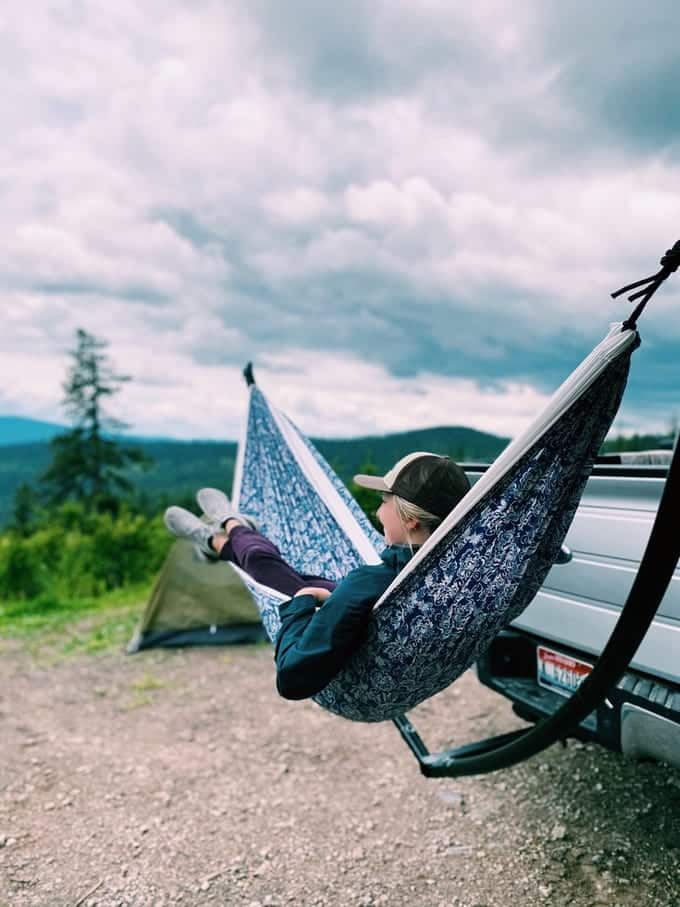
(654, 574)
(478, 570)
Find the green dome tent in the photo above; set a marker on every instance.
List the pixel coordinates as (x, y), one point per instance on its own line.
(196, 602)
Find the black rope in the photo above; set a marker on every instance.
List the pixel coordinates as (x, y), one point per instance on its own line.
(670, 263)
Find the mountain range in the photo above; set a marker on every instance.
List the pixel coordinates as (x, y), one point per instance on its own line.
(18, 430)
(179, 467)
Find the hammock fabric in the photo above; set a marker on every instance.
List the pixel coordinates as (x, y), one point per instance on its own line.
(473, 576)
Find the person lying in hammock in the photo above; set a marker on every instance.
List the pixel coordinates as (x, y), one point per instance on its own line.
(324, 622)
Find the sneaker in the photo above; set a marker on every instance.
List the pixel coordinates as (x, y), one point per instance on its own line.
(185, 525)
(218, 508)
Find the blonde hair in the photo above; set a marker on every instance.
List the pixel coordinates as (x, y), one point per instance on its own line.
(408, 511)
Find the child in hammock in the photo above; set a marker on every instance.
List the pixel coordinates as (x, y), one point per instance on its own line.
(324, 622)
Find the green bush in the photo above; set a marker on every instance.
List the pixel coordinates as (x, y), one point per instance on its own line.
(76, 554)
(20, 576)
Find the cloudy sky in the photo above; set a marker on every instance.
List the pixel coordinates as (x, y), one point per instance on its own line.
(406, 212)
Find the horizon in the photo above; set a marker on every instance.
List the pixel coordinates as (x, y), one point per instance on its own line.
(661, 434)
(132, 435)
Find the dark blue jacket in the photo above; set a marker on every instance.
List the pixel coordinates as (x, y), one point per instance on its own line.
(314, 642)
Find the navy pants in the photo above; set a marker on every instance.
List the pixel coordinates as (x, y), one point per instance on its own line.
(262, 560)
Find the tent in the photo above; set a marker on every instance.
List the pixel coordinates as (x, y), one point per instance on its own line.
(197, 602)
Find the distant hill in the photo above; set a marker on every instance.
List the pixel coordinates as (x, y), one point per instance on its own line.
(180, 467)
(16, 430)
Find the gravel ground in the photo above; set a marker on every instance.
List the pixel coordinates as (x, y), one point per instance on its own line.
(180, 777)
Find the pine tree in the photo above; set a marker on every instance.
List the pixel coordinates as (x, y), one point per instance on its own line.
(88, 465)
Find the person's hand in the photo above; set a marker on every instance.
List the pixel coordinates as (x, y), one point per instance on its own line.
(318, 592)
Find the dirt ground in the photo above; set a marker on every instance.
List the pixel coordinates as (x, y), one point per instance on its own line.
(179, 777)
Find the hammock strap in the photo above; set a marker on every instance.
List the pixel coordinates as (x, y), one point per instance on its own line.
(670, 262)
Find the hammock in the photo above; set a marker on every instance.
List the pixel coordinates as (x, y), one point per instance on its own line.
(472, 577)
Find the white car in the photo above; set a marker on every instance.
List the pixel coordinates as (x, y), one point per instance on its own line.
(544, 654)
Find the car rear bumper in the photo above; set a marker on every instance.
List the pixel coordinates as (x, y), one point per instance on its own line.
(640, 716)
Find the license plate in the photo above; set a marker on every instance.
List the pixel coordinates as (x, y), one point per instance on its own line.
(560, 673)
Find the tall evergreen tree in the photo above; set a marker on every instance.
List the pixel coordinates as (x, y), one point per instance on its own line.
(88, 465)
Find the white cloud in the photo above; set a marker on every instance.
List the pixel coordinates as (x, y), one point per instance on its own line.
(297, 206)
(335, 396)
(414, 192)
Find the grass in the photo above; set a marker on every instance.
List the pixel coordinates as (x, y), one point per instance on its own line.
(79, 626)
(147, 682)
(138, 701)
(51, 630)
(142, 689)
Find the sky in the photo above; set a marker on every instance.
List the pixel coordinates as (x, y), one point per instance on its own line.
(406, 214)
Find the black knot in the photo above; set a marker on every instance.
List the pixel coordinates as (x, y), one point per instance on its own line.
(671, 260)
(670, 263)
(248, 374)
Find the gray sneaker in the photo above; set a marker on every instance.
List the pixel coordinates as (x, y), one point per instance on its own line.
(185, 525)
(218, 508)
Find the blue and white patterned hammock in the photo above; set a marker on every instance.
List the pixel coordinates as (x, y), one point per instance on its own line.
(472, 577)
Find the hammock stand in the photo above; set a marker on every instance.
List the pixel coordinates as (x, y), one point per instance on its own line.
(655, 572)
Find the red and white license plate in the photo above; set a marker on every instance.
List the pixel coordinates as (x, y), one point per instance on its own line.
(560, 673)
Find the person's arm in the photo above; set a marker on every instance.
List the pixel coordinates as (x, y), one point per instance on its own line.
(314, 643)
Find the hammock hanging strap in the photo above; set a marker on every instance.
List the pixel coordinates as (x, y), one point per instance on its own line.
(670, 262)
